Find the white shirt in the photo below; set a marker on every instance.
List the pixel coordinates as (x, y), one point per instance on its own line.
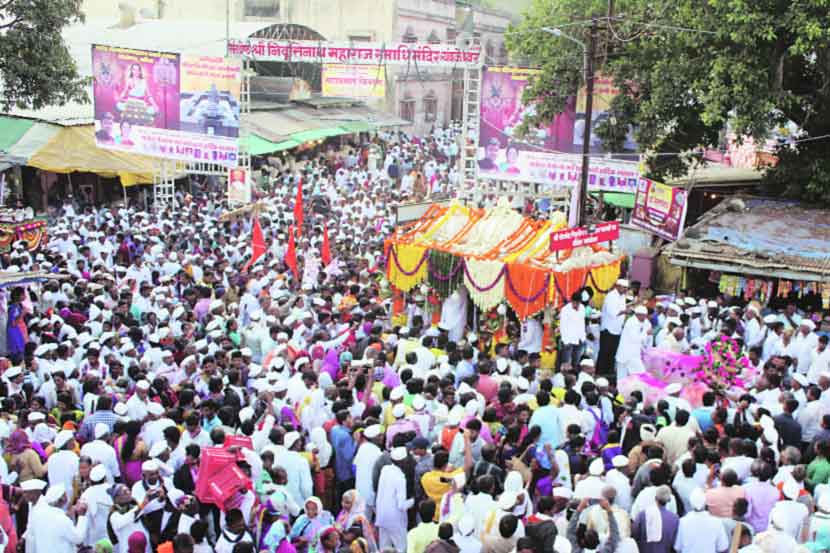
(62, 468)
(700, 532)
(296, 467)
(364, 462)
(99, 505)
(804, 346)
(795, 516)
(631, 342)
(136, 408)
(531, 336)
(819, 363)
(55, 532)
(622, 484)
(611, 320)
(479, 506)
(392, 502)
(102, 452)
(590, 488)
(572, 324)
(809, 417)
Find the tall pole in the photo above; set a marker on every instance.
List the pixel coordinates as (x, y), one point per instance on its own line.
(588, 68)
(227, 25)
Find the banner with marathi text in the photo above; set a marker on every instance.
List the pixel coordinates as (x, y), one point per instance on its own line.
(353, 81)
(415, 54)
(165, 105)
(660, 209)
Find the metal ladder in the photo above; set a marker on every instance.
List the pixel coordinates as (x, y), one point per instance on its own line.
(164, 185)
(471, 113)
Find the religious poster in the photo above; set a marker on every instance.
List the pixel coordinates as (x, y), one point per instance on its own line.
(547, 155)
(165, 105)
(660, 209)
(239, 186)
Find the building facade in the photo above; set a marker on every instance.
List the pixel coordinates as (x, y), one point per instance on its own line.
(424, 97)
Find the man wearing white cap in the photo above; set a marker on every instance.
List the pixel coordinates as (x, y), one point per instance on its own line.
(804, 343)
(465, 538)
(392, 503)
(296, 467)
(99, 503)
(819, 360)
(790, 515)
(63, 464)
(572, 330)
(592, 485)
(611, 325)
(52, 530)
(619, 480)
(364, 461)
(634, 335)
(100, 451)
(699, 531)
(138, 404)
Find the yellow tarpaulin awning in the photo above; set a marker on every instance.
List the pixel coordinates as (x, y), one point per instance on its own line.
(73, 149)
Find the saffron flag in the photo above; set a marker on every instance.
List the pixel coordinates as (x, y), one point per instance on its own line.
(325, 250)
(298, 208)
(291, 253)
(257, 244)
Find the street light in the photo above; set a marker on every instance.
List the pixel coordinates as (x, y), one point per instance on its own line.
(588, 73)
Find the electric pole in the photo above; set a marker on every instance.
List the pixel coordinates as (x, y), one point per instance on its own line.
(588, 68)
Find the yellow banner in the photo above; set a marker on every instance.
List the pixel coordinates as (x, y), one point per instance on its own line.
(353, 81)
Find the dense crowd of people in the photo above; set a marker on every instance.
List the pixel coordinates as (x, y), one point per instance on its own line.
(360, 429)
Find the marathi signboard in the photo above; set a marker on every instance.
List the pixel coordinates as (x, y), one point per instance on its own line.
(660, 209)
(239, 186)
(166, 105)
(353, 81)
(571, 238)
(547, 155)
(424, 55)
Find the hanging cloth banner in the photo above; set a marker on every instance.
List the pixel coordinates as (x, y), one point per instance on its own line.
(526, 289)
(407, 266)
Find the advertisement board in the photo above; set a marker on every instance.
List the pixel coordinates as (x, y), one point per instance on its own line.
(239, 187)
(550, 154)
(353, 81)
(570, 238)
(165, 105)
(660, 209)
(310, 51)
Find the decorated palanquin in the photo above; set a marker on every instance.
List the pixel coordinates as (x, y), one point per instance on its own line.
(498, 255)
(32, 231)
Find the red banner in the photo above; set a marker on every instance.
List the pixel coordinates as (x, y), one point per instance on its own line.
(571, 238)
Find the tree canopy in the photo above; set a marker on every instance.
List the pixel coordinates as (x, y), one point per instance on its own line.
(36, 68)
(689, 68)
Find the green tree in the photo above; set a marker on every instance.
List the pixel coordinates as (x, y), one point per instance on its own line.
(36, 68)
(689, 68)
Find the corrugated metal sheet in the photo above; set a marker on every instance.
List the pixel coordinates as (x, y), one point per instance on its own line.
(765, 236)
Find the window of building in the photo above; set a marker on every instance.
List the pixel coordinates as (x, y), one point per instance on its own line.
(407, 109)
(262, 8)
(503, 55)
(360, 38)
(433, 38)
(452, 34)
(489, 52)
(430, 106)
(410, 36)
